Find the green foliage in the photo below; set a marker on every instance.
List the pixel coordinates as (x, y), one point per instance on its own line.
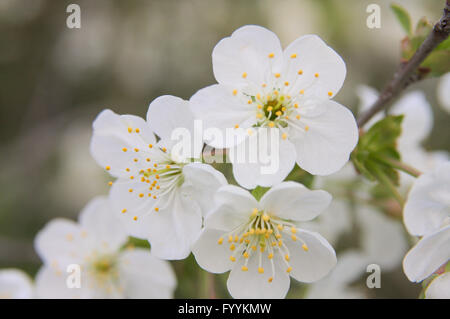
(376, 148)
(259, 191)
(300, 176)
(403, 17)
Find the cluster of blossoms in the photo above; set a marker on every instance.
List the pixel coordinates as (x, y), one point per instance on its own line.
(182, 205)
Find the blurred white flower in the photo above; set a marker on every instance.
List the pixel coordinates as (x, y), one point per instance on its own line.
(15, 284)
(260, 85)
(261, 242)
(381, 242)
(157, 197)
(443, 92)
(439, 288)
(416, 127)
(107, 271)
(427, 214)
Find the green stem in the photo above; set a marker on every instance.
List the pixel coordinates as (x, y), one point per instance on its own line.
(401, 166)
(383, 179)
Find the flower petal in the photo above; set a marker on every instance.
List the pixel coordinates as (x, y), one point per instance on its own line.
(101, 226)
(293, 201)
(427, 206)
(51, 284)
(313, 57)
(114, 139)
(209, 254)
(439, 288)
(61, 242)
(251, 284)
(326, 146)
(234, 207)
(443, 92)
(168, 113)
(264, 159)
(431, 252)
(144, 276)
(246, 51)
(316, 262)
(15, 284)
(173, 229)
(418, 117)
(201, 181)
(220, 110)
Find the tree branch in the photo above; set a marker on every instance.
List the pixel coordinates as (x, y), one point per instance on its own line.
(406, 73)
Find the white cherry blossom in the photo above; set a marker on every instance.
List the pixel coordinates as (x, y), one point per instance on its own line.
(427, 214)
(108, 270)
(15, 284)
(262, 86)
(262, 242)
(158, 195)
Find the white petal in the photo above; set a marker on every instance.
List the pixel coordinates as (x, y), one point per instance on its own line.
(431, 252)
(418, 117)
(234, 207)
(332, 223)
(443, 92)
(51, 284)
(61, 242)
(144, 276)
(270, 164)
(314, 264)
(111, 136)
(293, 201)
(251, 284)
(247, 50)
(382, 238)
(219, 110)
(326, 146)
(209, 254)
(367, 96)
(314, 56)
(127, 204)
(101, 226)
(15, 284)
(427, 206)
(168, 113)
(201, 181)
(173, 229)
(439, 288)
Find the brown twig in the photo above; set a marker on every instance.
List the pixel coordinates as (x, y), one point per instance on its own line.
(407, 71)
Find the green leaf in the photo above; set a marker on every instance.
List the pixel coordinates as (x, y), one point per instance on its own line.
(259, 191)
(403, 17)
(300, 176)
(376, 148)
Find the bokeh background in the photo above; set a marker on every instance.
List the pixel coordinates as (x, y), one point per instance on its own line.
(55, 80)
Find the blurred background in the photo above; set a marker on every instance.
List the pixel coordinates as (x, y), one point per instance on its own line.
(55, 80)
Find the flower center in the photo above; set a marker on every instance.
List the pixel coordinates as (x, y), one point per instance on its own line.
(104, 274)
(262, 236)
(155, 169)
